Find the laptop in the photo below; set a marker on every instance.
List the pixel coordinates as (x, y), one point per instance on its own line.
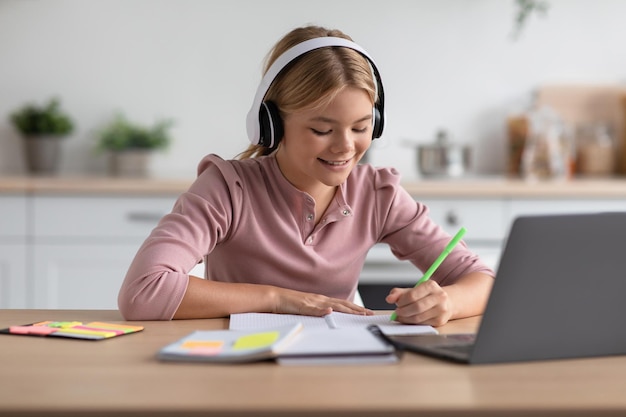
(559, 292)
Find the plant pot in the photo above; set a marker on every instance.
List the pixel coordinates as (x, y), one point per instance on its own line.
(43, 153)
(129, 163)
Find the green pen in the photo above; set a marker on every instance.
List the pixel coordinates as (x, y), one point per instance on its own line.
(437, 262)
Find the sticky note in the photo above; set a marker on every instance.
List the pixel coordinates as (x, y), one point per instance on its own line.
(40, 330)
(203, 347)
(76, 332)
(190, 344)
(64, 324)
(256, 340)
(126, 328)
(43, 323)
(73, 329)
(99, 330)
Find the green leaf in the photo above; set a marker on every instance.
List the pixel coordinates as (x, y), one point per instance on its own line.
(39, 120)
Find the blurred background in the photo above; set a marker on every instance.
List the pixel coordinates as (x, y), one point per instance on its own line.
(458, 65)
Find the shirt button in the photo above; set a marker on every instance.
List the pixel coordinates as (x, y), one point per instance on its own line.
(309, 217)
(346, 212)
(310, 239)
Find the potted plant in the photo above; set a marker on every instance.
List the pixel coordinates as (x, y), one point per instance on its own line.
(130, 145)
(42, 127)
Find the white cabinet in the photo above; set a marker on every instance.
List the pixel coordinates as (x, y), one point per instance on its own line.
(99, 218)
(82, 246)
(72, 252)
(79, 276)
(484, 219)
(13, 217)
(13, 276)
(13, 250)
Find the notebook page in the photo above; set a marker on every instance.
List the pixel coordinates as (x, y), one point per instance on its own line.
(243, 321)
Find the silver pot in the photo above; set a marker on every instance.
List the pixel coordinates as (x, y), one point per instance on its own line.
(443, 159)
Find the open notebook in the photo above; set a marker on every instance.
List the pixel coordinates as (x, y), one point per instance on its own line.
(336, 338)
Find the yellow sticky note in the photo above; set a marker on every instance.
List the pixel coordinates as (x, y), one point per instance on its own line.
(114, 326)
(64, 324)
(256, 340)
(85, 332)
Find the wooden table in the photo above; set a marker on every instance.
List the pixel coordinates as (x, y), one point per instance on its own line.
(121, 377)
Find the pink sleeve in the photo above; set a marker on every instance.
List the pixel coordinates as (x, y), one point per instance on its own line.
(412, 235)
(158, 276)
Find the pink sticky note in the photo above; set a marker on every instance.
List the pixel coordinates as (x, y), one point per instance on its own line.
(41, 330)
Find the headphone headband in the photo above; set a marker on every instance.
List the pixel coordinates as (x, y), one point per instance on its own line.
(252, 120)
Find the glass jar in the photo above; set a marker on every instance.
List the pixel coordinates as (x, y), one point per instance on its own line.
(596, 150)
(548, 151)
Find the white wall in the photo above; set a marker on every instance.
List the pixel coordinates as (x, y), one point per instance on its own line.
(444, 63)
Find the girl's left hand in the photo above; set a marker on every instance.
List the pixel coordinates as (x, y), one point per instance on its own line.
(427, 304)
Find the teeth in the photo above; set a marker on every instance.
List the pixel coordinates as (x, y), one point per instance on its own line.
(335, 163)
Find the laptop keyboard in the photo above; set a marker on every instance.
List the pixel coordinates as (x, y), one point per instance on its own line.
(464, 349)
(459, 343)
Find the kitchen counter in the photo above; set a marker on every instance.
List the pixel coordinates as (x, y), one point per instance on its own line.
(86, 185)
(473, 187)
(501, 187)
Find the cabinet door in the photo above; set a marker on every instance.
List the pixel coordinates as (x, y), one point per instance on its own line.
(13, 279)
(73, 276)
(13, 212)
(93, 218)
(484, 218)
(13, 231)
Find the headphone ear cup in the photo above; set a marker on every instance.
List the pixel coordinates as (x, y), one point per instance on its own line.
(377, 130)
(271, 125)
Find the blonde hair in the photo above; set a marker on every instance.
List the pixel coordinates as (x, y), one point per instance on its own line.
(315, 78)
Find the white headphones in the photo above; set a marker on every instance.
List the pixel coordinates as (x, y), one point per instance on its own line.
(263, 122)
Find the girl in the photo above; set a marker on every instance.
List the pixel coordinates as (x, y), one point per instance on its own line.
(285, 228)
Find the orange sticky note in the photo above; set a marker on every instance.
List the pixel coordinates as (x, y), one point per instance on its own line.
(203, 347)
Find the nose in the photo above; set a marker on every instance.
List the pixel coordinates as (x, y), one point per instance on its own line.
(343, 142)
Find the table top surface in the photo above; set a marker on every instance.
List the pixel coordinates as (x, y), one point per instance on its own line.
(122, 376)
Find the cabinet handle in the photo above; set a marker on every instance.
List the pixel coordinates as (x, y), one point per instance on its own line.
(452, 218)
(143, 216)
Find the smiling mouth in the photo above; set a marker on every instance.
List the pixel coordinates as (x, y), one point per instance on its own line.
(333, 163)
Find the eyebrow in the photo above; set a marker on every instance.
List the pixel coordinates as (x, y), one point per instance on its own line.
(330, 120)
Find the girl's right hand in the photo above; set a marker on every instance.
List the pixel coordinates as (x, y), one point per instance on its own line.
(310, 304)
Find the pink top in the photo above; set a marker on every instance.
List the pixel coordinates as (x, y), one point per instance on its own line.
(251, 225)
